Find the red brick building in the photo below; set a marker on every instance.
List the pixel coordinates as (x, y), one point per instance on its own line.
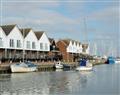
(62, 45)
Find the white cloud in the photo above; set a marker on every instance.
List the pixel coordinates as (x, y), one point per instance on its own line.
(110, 13)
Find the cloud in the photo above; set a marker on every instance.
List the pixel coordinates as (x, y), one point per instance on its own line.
(107, 14)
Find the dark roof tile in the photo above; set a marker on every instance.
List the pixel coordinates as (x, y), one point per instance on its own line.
(39, 34)
(8, 28)
(25, 31)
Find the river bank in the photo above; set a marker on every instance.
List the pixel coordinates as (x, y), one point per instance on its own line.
(47, 66)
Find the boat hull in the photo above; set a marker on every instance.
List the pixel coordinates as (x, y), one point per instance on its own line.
(84, 68)
(58, 66)
(117, 61)
(20, 69)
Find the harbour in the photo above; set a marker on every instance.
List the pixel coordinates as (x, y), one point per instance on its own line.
(59, 47)
(103, 80)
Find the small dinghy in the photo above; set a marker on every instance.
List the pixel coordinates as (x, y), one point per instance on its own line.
(84, 65)
(59, 65)
(23, 67)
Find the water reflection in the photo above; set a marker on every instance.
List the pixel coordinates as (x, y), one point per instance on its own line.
(103, 80)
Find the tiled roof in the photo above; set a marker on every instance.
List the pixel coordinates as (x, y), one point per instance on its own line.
(66, 41)
(25, 31)
(8, 28)
(51, 40)
(39, 34)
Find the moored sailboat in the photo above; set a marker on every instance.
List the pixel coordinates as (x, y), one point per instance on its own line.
(84, 65)
(23, 67)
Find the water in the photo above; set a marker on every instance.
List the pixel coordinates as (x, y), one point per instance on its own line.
(103, 80)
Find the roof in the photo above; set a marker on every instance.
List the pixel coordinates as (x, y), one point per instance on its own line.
(25, 31)
(51, 40)
(8, 28)
(85, 46)
(38, 34)
(66, 41)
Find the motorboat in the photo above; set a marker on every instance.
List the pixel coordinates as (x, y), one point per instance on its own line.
(23, 67)
(117, 60)
(110, 60)
(84, 65)
(59, 65)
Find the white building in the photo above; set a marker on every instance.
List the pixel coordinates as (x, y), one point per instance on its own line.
(14, 37)
(2, 38)
(30, 40)
(70, 46)
(43, 41)
(85, 48)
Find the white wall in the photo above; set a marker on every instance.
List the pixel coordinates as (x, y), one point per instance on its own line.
(44, 39)
(87, 50)
(3, 36)
(32, 38)
(70, 47)
(16, 35)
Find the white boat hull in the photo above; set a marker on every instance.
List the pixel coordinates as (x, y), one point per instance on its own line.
(117, 61)
(84, 68)
(58, 66)
(20, 69)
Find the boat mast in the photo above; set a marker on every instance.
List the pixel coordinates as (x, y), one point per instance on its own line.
(85, 27)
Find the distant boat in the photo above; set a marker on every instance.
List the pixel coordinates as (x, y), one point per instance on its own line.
(23, 67)
(84, 66)
(117, 60)
(59, 65)
(110, 60)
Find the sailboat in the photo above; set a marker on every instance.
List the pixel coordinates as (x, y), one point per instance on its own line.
(84, 65)
(23, 67)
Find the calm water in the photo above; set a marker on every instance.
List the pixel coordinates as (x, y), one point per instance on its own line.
(103, 80)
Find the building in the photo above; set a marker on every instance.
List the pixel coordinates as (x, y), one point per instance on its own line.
(30, 44)
(85, 48)
(2, 44)
(66, 48)
(43, 45)
(13, 44)
(54, 53)
(17, 44)
(72, 49)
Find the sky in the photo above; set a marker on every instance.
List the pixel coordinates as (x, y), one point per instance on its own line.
(89, 21)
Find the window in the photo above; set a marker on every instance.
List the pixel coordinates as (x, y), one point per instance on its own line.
(18, 44)
(46, 46)
(11, 43)
(41, 45)
(1, 43)
(28, 44)
(33, 45)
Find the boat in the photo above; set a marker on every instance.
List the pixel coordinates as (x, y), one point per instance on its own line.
(110, 60)
(59, 65)
(84, 65)
(117, 60)
(23, 67)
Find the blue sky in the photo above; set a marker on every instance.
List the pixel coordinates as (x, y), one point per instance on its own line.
(65, 19)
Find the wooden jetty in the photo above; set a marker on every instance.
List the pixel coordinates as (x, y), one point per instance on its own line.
(42, 66)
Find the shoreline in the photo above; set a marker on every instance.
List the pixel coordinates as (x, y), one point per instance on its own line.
(47, 66)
